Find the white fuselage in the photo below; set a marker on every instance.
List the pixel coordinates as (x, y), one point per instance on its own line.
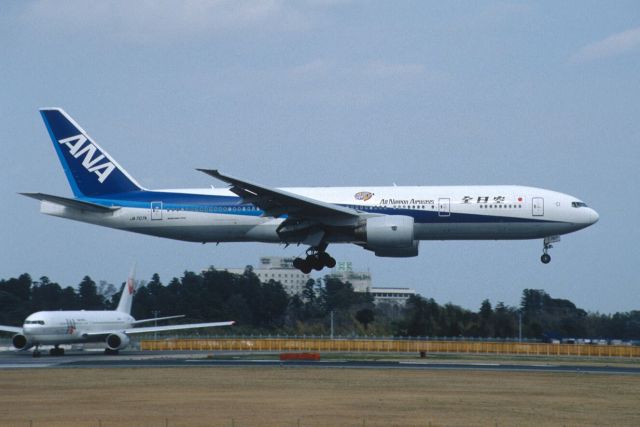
(439, 212)
(69, 327)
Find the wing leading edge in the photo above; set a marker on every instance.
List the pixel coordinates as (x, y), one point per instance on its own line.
(275, 202)
(11, 329)
(132, 331)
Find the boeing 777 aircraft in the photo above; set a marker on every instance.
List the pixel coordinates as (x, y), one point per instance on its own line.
(389, 221)
(82, 326)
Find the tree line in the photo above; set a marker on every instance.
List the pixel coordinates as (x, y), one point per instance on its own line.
(216, 295)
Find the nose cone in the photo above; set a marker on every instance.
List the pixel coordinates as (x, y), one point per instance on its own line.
(593, 216)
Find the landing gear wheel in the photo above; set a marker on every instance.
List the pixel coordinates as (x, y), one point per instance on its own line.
(316, 259)
(316, 262)
(36, 353)
(546, 245)
(56, 351)
(331, 262)
(327, 260)
(298, 263)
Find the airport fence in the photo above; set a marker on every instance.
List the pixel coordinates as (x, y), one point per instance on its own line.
(390, 346)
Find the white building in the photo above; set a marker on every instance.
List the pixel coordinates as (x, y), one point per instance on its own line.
(398, 296)
(361, 281)
(279, 269)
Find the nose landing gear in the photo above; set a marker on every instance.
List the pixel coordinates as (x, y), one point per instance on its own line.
(546, 258)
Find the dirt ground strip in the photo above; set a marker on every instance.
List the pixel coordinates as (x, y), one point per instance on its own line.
(178, 397)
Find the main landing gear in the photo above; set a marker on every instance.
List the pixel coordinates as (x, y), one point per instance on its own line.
(56, 351)
(546, 258)
(316, 259)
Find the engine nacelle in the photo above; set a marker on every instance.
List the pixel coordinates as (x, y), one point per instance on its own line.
(407, 252)
(389, 236)
(117, 341)
(21, 342)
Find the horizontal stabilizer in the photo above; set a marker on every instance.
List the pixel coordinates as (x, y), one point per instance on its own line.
(72, 203)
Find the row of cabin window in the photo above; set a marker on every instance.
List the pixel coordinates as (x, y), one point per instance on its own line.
(215, 209)
(371, 208)
(253, 208)
(501, 206)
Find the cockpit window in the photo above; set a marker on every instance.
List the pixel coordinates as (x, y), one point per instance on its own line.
(579, 204)
(34, 322)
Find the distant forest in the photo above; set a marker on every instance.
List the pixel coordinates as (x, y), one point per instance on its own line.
(265, 308)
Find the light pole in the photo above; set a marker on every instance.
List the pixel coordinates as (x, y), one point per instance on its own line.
(331, 324)
(519, 325)
(155, 315)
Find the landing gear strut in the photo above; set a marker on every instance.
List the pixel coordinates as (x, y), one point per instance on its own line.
(36, 352)
(316, 259)
(546, 258)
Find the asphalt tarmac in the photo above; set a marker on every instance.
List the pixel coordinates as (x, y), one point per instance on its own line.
(149, 359)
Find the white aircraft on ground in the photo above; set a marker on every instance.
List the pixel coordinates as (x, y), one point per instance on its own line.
(84, 326)
(389, 221)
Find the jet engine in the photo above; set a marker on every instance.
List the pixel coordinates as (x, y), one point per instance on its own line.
(389, 236)
(117, 341)
(21, 342)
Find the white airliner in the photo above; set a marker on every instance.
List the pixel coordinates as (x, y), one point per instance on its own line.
(389, 221)
(83, 326)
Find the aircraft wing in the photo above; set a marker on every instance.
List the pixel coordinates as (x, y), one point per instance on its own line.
(275, 202)
(72, 203)
(132, 331)
(155, 319)
(12, 329)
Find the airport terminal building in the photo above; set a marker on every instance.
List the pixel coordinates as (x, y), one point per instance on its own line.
(281, 269)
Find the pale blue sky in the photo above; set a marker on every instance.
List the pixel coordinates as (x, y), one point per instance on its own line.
(323, 93)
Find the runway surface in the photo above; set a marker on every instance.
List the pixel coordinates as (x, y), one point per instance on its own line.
(133, 359)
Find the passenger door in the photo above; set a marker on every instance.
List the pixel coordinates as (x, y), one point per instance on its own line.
(444, 207)
(537, 206)
(156, 211)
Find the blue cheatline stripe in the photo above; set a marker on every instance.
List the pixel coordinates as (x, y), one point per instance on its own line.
(232, 205)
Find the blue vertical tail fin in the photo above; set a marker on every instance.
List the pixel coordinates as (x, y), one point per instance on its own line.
(91, 171)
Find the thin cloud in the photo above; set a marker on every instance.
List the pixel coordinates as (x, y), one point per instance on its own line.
(328, 81)
(319, 68)
(386, 69)
(158, 20)
(616, 44)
